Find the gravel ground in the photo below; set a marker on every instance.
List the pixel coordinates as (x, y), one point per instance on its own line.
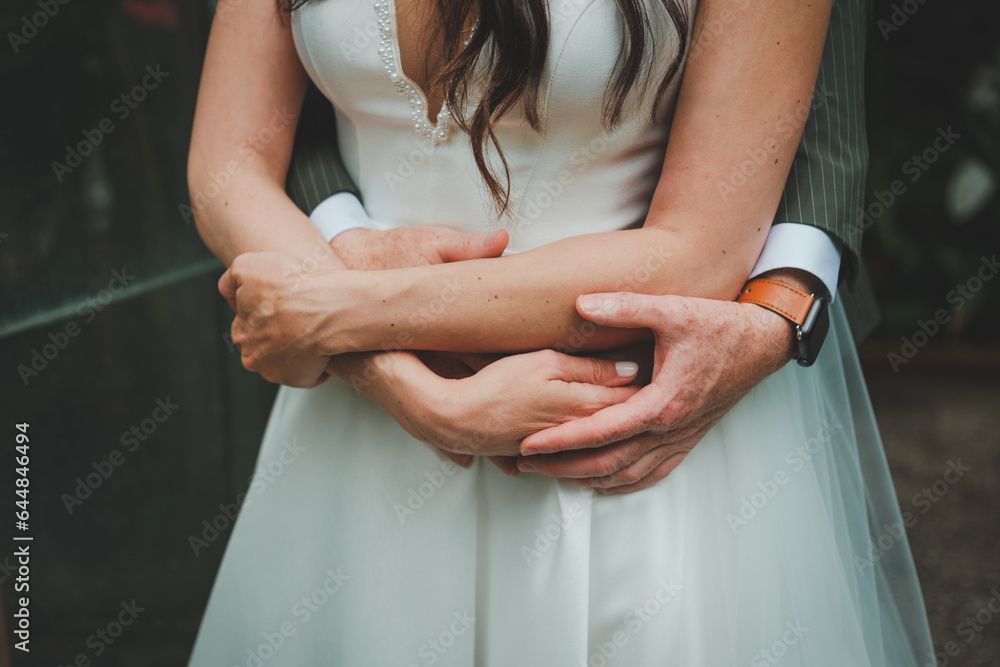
(941, 414)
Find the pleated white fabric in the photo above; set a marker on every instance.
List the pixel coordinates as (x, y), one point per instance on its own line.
(777, 541)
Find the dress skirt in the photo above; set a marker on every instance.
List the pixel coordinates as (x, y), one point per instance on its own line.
(777, 541)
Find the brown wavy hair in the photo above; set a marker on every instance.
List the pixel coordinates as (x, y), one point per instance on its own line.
(511, 41)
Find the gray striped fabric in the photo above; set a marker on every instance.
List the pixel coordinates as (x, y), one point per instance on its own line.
(316, 170)
(825, 187)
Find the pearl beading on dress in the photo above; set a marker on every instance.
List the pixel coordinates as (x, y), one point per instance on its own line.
(434, 133)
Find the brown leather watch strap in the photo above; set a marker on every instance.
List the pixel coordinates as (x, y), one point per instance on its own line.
(779, 297)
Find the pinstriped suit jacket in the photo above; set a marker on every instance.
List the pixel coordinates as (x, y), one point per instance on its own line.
(825, 186)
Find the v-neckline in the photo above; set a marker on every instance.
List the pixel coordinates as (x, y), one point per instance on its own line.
(422, 105)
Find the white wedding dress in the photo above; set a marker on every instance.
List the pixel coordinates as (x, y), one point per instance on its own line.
(777, 541)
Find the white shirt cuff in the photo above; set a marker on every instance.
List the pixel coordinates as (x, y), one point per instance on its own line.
(793, 245)
(338, 213)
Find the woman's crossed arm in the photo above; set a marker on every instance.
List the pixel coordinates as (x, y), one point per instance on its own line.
(742, 95)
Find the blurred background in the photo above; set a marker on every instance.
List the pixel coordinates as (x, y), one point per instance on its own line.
(144, 427)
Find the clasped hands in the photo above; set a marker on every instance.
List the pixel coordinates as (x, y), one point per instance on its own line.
(564, 416)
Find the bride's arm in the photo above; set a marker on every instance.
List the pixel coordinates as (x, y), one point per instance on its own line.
(252, 81)
(251, 76)
(737, 99)
(251, 71)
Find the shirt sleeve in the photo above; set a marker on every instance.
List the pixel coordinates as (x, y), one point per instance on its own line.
(792, 245)
(338, 213)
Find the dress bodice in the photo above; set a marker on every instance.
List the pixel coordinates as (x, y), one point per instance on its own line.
(572, 178)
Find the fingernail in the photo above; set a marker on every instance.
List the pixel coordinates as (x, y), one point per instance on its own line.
(526, 467)
(626, 369)
(488, 239)
(591, 303)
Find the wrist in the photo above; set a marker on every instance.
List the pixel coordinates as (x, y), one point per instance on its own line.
(385, 377)
(774, 335)
(382, 310)
(424, 402)
(344, 300)
(771, 324)
(797, 297)
(345, 246)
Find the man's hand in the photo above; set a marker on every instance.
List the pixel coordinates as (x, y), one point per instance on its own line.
(708, 355)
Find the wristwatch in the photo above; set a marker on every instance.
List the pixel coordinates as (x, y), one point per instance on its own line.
(808, 312)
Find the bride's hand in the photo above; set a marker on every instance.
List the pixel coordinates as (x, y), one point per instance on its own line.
(282, 303)
(491, 412)
(277, 312)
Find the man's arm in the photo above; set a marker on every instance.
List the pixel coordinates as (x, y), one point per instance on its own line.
(642, 440)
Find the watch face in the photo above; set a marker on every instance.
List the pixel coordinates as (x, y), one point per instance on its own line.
(813, 333)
